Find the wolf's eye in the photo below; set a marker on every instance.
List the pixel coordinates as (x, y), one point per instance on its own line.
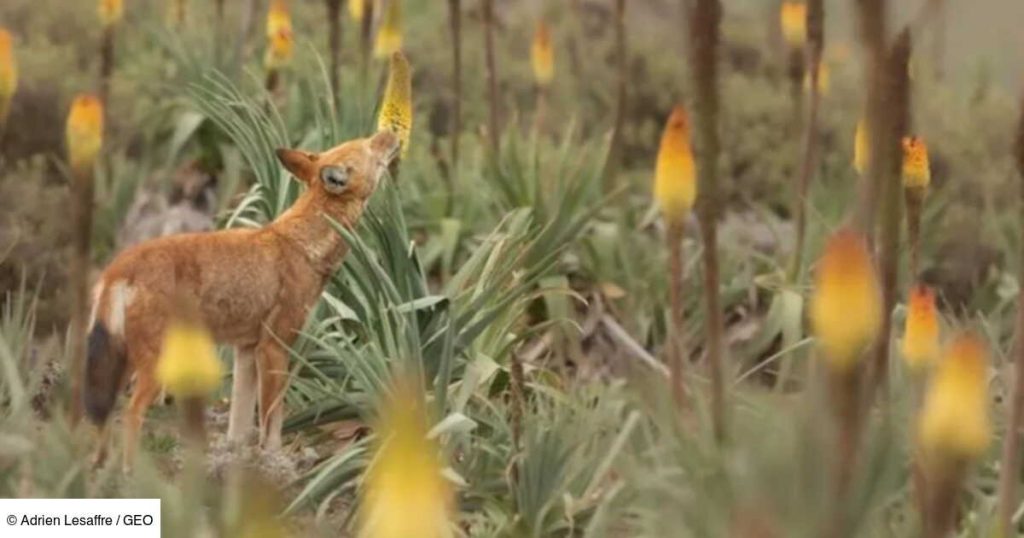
(335, 178)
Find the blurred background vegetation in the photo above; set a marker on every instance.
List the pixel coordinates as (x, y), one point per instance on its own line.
(459, 267)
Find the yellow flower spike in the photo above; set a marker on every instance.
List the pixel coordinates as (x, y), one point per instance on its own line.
(389, 36)
(188, 366)
(917, 171)
(861, 147)
(8, 73)
(846, 309)
(357, 9)
(793, 17)
(405, 493)
(954, 425)
(396, 113)
(921, 332)
(280, 41)
(675, 179)
(84, 132)
(110, 11)
(542, 55)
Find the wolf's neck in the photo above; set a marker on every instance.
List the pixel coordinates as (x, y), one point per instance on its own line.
(307, 225)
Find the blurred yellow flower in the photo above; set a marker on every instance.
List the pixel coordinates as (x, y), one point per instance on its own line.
(861, 147)
(84, 132)
(389, 36)
(396, 113)
(188, 366)
(793, 17)
(110, 11)
(405, 494)
(8, 73)
(846, 308)
(675, 179)
(824, 79)
(916, 168)
(542, 55)
(356, 9)
(921, 332)
(280, 43)
(954, 424)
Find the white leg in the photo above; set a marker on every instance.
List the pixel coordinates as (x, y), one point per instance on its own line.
(243, 397)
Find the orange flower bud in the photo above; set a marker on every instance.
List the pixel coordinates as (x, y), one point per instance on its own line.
(793, 17)
(861, 147)
(916, 168)
(110, 11)
(389, 36)
(406, 493)
(675, 179)
(921, 333)
(542, 55)
(84, 132)
(846, 309)
(8, 74)
(954, 424)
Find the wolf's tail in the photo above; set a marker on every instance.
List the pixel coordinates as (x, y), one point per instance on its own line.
(104, 370)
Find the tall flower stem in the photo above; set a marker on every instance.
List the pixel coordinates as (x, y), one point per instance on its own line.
(677, 329)
(493, 128)
(914, 200)
(815, 46)
(614, 161)
(888, 168)
(873, 27)
(365, 44)
(82, 192)
(704, 36)
(106, 64)
(455, 27)
(1010, 468)
(334, 35)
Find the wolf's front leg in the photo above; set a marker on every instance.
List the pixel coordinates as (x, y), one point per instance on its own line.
(243, 396)
(272, 367)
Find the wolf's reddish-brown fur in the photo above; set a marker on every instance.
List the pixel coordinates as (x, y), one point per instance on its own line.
(253, 287)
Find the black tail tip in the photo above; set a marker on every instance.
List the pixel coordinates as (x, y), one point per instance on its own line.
(104, 368)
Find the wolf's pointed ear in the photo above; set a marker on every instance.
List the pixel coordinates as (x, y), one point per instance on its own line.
(301, 164)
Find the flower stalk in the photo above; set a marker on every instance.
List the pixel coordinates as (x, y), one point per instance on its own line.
(815, 45)
(493, 127)
(1009, 475)
(845, 316)
(455, 28)
(675, 190)
(110, 12)
(614, 160)
(954, 429)
(334, 38)
(705, 20)
(84, 139)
